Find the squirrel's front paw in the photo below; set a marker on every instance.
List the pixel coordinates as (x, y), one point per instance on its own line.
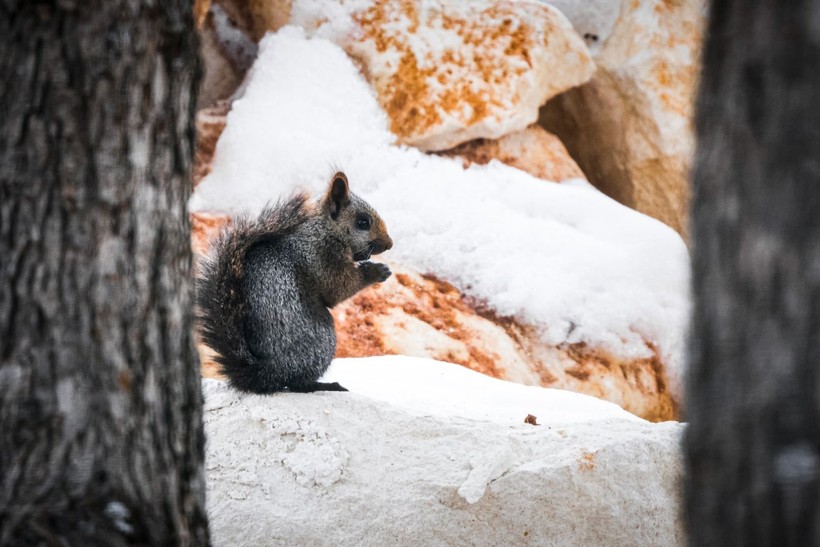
(374, 272)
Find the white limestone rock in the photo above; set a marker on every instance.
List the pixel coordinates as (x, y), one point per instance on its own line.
(427, 453)
(630, 127)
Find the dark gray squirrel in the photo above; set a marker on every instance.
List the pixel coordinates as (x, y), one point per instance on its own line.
(264, 291)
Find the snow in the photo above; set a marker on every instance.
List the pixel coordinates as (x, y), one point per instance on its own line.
(435, 388)
(565, 258)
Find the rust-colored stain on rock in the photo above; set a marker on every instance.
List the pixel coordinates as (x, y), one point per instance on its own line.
(204, 227)
(587, 461)
(210, 122)
(643, 375)
(359, 336)
(201, 8)
(425, 298)
(468, 82)
(638, 384)
(533, 150)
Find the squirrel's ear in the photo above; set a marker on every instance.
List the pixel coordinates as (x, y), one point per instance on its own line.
(338, 194)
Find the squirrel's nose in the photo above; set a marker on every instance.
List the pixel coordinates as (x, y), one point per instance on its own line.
(381, 245)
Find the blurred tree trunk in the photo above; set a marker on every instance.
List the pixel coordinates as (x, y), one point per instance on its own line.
(101, 439)
(753, 399)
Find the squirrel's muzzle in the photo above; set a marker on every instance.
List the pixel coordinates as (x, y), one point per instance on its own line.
(381, 245)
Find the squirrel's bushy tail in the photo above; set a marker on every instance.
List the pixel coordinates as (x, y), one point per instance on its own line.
(220, 298)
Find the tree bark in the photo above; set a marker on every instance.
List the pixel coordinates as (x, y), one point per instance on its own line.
(101, 438)
(753, 395)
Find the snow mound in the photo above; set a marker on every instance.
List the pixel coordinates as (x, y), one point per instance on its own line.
(565, 258)
(435, 388)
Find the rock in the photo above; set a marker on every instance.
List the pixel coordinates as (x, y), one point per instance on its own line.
(201, 8)
(210, 122)
(446, 71)
(426, 453)
(263, 15)
(253, 17)
(417, 315)
(630, 127)
(220, 77)
(227, 53)
(204, 227)
(533, 150)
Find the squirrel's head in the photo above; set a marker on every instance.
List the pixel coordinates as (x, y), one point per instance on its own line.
(354, 220)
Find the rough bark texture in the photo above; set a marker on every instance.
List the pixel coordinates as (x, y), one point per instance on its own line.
(753, 445)
(101, 439)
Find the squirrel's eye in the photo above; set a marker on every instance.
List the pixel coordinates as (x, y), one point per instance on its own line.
(363, 223)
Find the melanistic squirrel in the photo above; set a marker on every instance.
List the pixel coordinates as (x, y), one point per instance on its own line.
(264, 292)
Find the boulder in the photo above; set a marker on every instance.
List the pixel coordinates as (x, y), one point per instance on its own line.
(210, 122)
(201, 8)
(534, 150)
(227, 53)
(448, 71)
(420, 315)
(426, 453)
(630, 127)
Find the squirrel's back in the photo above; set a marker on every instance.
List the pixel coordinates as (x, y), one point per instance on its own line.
(264, 290)
(221, 288)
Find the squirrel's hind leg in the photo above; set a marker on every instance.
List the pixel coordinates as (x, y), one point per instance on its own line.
(317, 386)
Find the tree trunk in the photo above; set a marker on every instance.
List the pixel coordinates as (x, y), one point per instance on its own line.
(753, 443)
(101, 439)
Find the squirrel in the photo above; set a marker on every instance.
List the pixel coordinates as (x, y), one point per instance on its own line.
(264, 291)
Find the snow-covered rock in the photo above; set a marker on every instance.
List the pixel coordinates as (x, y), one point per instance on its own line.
(630, 127)
(573, 267)
(449, 71)
(534, 150)
(427, 453)
(411, 314)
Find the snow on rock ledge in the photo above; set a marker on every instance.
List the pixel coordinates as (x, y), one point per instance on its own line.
(428, 453)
